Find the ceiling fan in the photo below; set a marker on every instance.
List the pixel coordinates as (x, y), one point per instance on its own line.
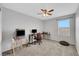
(46, 12)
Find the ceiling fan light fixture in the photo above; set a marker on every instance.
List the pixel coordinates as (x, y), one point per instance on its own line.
(46, 12)
(46, 15)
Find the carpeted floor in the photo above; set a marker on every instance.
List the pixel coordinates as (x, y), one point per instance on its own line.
(47, 48)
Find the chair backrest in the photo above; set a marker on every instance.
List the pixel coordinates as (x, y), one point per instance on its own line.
(39, 37)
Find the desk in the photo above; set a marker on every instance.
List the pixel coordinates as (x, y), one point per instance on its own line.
(32, 38)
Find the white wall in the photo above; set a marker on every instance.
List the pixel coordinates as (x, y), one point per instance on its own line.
(77, 30)
(52, 27)
(0, 30)
(12, 20)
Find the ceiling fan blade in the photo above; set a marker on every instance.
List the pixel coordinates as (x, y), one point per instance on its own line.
(51, 10)
(42, 10)
(49, 13)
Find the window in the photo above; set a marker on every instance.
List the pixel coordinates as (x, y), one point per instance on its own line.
(64, 23)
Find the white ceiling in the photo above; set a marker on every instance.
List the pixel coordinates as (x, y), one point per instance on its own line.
(32, 9)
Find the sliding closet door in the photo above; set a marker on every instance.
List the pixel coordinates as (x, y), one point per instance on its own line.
(64, 30)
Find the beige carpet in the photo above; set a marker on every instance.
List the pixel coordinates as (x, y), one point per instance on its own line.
(47, 48)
